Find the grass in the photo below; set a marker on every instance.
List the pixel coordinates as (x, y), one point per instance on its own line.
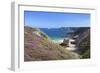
(37, 48)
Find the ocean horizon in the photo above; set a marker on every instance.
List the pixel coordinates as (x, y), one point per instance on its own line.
(58, 34)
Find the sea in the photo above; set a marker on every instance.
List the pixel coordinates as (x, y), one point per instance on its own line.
(56, 34)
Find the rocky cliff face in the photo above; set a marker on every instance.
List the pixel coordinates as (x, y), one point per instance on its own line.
(38, 46)
(83, 41)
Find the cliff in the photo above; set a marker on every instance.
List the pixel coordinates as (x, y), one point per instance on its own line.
(83, 41)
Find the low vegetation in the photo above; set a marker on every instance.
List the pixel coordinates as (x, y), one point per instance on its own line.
(38, 46)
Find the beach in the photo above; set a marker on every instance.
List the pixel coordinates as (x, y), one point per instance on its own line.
(58, 40)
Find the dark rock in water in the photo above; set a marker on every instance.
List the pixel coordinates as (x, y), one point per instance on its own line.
(65, 42)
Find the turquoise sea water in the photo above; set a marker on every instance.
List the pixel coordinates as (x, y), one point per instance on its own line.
(56, 38)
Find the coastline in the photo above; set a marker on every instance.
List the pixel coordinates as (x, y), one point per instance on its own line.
(58, 41)
(72, 48)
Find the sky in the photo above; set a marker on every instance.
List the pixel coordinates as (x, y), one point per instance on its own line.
(41, 19)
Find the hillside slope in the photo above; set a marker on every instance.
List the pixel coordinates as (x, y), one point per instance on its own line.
(38, 46)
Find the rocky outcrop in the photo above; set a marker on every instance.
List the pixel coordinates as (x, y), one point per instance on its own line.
(83, 41)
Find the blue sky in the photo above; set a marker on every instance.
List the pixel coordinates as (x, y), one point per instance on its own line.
(56, 19)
